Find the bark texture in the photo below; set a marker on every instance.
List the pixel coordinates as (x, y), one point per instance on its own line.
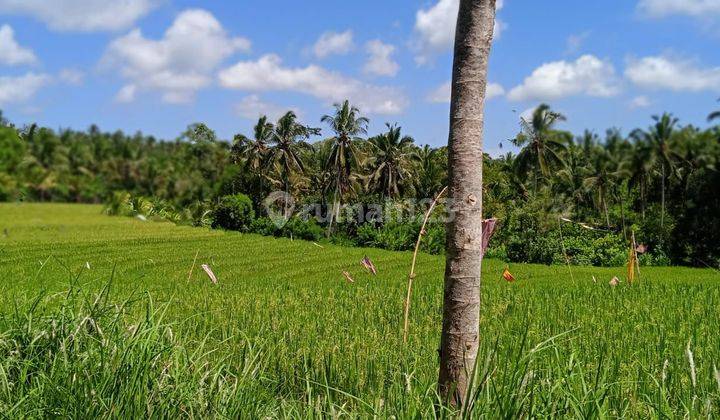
(461, 304)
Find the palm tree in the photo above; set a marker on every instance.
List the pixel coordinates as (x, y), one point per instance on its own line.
(658, 137)
(286, 144)
(254, 151)
(344, 156)
(570, 178)
(641, 163)
(430, 172)
(461, 299)
(603, 174)
(389, 169)
(541, 144)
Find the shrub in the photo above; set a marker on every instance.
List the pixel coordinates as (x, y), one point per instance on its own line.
(392, 236)
(234, 212)
(298, 228)
(119, 204)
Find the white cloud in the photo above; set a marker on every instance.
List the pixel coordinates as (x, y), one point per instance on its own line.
(662, 8)
(126, 94)
(71, 76)
(435, 28)
(588, 75)
(11, 53)
(253, 107)
(640, 102)
(21, 88)
(661, 72)
(81, 15)
(528, 113)
(331, 43)
(178, 65)
(380, 61)
(268, 74)
(442, 93)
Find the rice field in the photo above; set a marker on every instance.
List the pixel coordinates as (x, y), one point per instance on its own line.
(101, 317)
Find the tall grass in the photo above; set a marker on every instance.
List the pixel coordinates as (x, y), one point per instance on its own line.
(284, 336)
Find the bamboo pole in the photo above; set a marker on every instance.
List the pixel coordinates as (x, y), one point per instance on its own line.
(412, 267)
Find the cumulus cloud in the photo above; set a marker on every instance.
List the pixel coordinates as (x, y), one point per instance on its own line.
(81, 15)
(588, 75)
(73, 77)
(380, 61)
(177, 65)
(11, 53)
(662, 8)
(640, 102)
(126, 94)
(331, 43)
(661, 72)
(268, 74)
(21, 88)
(252, 107)
(442, 93)
(435, 28)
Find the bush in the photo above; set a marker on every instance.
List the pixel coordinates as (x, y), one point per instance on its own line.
(119, 204)
(234, 212)
(392, 236)
(296, 228)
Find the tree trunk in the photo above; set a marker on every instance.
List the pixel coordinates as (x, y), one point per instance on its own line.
(662, 199)
(622, 214)
(461, 304)
(605, 208)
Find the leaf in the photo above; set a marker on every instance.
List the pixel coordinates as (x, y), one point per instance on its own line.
(347, 277)
(508, 276)
(488, 228)
(209, 273)
(369, 265)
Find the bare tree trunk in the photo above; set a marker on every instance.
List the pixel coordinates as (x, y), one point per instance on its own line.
(622, 213)
(607, 214)
(662, 210)
(461, 305)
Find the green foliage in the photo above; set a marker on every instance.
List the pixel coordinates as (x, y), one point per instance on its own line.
(12, 150)
(234, 212)
(295, 228)
(392, 236)
(661, 181)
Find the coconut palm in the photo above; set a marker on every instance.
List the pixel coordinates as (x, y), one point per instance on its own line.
(460, 335)
(389, 167)
(286, 145)
(348, 125)
(569, 179)
(253, 151)
(658, 137)
(541, 144)
(602, 176)
(430, 172)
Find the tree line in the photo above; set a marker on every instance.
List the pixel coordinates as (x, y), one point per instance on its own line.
(661, 182)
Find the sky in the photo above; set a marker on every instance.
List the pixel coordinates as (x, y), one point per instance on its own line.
(157, 66)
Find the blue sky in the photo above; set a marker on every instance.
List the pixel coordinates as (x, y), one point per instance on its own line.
(159, 65)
